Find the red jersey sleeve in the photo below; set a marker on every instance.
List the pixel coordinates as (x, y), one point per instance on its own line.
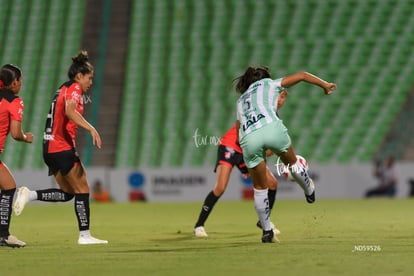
(62, 131)
(11, 109)
(16, 110)
(74, 92)
(229, 139)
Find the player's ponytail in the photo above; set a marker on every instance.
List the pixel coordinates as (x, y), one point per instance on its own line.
(251, 75)
(80, 64)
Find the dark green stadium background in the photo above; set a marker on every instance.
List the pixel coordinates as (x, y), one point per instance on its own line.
(180, 57)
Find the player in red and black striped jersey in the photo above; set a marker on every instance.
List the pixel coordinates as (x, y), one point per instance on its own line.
(11, 117)
(229, 155)
(59, 148)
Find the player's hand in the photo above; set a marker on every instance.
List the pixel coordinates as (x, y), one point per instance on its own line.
(29, 137)
(245, 175)
(329, 88)
(96, 138)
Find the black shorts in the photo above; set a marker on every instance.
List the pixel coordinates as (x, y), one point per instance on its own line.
(61, 161)
(229, 157)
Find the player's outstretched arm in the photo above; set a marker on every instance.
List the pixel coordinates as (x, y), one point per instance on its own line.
(309, 78)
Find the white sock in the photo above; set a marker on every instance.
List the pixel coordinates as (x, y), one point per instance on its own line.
(85, 233)
(32, 195)
(301, 177)
(261, 203)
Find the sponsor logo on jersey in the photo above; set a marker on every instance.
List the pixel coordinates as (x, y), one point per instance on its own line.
(48, 137)
(252, 121)
(76, 97)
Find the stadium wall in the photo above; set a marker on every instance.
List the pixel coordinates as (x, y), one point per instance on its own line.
(192, 184)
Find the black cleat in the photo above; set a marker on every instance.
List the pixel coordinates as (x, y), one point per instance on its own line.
(268, 237)
(310, 198)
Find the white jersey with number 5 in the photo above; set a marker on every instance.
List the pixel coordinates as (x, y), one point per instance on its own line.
(257, 106)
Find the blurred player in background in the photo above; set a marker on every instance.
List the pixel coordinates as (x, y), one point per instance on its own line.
(11, 117)
(59, 151)
(229, 155)
(260, 129)
(388, 179)
(100, 193)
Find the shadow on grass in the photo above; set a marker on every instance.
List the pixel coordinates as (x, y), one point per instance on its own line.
(194, 244)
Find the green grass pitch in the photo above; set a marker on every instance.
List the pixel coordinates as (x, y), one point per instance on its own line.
(330, 237)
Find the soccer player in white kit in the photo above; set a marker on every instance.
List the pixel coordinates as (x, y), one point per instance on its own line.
(260, 129)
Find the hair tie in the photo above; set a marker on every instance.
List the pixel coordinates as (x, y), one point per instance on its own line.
(1, 84)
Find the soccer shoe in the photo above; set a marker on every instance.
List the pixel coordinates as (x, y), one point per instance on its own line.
(21, 200)
(11, 241)
(269, 237)
(200, 232)
(311, 198)
(272, 226)
(91, 240)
